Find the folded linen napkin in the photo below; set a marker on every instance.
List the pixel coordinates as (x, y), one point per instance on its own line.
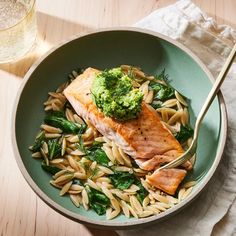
(214, 212)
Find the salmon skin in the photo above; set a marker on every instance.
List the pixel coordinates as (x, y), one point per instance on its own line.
(144, 138)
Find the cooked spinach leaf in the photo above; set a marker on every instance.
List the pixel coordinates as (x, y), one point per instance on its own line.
(98, 208)
(122, 180)
(155, 105)
(161, 92)
(99, 156)
(142, 192)
(65, 125)
(57, 113)
(38, 142)
(80, 144)
(95, 153)
(54, 148)
(97, 200)
(50, 169)
(184, 134)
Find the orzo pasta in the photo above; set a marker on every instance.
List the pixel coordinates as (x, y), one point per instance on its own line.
(95, 172)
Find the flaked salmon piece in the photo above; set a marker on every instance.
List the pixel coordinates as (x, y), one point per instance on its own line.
(167, 180)
(158, 161)
(142, 138)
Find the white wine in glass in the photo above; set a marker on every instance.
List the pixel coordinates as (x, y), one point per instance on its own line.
(17, 28)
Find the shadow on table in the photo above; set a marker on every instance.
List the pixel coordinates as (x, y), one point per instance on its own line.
(100, 232)
(51, 31)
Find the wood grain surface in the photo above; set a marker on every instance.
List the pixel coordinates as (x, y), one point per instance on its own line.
(22, 213)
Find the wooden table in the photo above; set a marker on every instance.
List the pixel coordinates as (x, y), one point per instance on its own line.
(22, 213)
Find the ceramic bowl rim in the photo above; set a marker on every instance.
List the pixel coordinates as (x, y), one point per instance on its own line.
(127, 224)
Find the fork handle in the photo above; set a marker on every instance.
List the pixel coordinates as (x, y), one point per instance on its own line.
(215, 89)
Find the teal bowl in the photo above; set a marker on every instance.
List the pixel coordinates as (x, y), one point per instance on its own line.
(105, 49)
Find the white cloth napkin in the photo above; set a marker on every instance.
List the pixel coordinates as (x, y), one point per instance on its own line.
(214, 212)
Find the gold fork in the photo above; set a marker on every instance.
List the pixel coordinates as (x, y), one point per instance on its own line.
(213, 92)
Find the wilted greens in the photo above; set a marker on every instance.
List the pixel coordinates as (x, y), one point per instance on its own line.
(38, 142)
(97, 200)
(95, 153)
(64, 124)
(50, 169)
(54, 148)
(184, 134)
(122, 180)
(161, 92)
(142, 192)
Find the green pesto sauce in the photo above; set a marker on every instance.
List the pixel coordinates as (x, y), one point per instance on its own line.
(113, 93)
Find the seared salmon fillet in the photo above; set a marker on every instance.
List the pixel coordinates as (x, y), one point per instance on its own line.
(145, 138)
(167, 180)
